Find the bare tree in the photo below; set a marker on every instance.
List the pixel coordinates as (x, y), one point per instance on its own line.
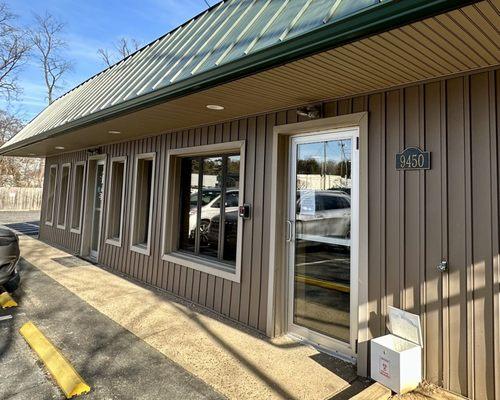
(9, 126)
(122, 48)
(17, 171)
(13, 51)
(46, 37)
(106, 57)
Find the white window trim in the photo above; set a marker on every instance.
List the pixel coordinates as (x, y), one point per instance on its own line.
(121, 159)
(169, 250)
(79, 229)
(146, 250)
(63, 226)
(56, 167)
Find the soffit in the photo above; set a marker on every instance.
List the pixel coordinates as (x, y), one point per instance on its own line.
(462, 40)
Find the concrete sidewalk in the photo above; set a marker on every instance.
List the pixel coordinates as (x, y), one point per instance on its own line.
(236, 362)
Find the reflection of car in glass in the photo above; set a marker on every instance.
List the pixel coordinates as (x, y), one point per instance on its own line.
(207, 195)
(230, 233)
(211, 210)
(324, 213)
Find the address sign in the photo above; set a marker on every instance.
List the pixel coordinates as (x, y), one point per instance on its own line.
(413, 158)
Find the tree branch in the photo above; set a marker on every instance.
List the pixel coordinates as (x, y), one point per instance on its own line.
(46, 39)
(121, 49)
(14, 49)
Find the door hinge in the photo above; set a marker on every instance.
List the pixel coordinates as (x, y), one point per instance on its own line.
(357, 142)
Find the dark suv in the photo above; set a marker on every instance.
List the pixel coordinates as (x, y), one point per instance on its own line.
(9, 256)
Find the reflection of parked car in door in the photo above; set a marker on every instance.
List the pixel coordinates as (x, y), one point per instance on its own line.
(324, 213)
(9, 256)
(211, 210)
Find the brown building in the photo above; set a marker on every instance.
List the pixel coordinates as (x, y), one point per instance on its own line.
(299, 166)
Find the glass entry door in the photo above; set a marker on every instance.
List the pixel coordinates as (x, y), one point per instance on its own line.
(97, 209)
(322, 235)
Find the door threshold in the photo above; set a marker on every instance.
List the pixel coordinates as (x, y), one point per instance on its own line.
(89, 259)
(323, 349)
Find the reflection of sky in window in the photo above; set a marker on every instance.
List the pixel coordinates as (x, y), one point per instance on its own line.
(336, 150)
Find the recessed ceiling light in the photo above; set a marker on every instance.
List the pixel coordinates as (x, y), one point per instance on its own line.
(59, 147)
(215, 107)
(114, 132)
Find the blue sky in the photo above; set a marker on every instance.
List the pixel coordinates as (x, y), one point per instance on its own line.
(90, 25)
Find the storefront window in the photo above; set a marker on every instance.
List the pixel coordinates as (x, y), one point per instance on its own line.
(143, 202)
(116, 200)
(210, 187)
(49, 217)
(78, 191)
(63, 196)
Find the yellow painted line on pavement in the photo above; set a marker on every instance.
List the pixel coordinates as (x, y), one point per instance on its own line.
(6, 301)
(70, 382)
(321, 283)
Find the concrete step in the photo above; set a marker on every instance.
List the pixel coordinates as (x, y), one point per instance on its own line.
(374, 392)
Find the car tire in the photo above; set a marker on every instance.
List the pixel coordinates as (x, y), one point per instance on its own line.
(12, 285)
(204, 231)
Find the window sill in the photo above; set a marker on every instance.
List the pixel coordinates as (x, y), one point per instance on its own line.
(201, 264)
(114, 242)
(77, 231)
(140, 248)
(48, 223)
(62, 227)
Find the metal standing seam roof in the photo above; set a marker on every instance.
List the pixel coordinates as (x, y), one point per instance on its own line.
(227, 32)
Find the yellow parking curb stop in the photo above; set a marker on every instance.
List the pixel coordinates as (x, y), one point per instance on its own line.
(322, 283)
(6, 301)
(70, 382)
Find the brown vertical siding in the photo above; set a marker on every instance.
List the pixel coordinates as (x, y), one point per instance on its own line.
(61, 237)
(450, 212)
(494, 97)
(433, 234)
(416, 219)
(482, 244)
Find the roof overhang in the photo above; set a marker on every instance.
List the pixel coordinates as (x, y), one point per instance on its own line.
(282, 76)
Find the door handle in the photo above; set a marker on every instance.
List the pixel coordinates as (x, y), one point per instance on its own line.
(288, 230)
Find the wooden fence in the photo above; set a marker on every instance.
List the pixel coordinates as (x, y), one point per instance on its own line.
(20, 199)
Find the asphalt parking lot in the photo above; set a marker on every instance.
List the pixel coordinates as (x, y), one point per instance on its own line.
(113, 361)
(12, 217)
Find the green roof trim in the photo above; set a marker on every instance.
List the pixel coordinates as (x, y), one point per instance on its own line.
(316, 26)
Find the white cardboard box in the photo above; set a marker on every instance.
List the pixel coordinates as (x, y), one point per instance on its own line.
(396, 359)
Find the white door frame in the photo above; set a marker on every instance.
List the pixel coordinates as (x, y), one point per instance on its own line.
(277, 299)
(95, 253)
(88, 216)
(329, 344)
